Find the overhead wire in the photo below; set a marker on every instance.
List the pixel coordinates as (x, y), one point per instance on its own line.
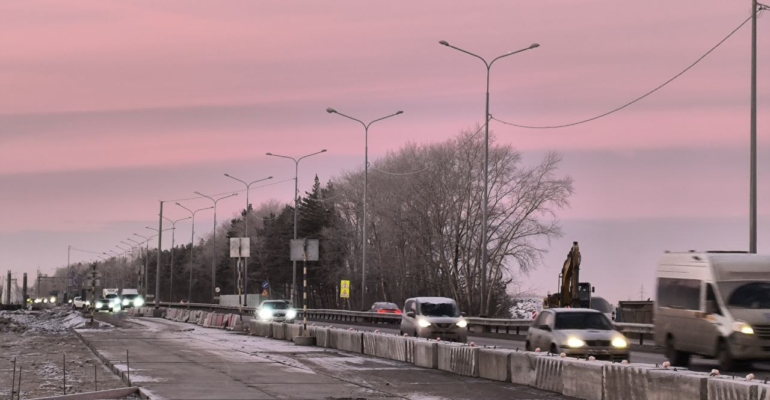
(638, 98)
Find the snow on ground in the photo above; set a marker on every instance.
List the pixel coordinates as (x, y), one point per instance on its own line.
(51, 321)
(526, 308)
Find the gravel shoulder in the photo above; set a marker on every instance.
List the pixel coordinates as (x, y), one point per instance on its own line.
(40, 342)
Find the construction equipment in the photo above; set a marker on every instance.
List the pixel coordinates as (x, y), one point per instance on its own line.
(572, 293)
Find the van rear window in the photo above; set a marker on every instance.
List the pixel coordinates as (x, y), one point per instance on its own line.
(679, 293)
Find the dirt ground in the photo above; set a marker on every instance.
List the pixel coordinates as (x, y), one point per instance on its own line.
(39, 342)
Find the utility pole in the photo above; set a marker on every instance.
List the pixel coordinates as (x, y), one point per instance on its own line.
(753, 179)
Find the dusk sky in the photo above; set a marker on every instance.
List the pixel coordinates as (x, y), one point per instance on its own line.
(109, 107)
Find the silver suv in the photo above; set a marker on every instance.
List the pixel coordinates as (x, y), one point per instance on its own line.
(434, 317)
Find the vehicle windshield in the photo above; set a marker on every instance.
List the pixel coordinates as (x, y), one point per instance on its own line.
(582, 320)
(439, 310)
(278, 305)
(130, 296)
(111, 296)
(751, 295)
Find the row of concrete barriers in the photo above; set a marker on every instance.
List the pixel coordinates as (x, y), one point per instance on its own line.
(583, 379)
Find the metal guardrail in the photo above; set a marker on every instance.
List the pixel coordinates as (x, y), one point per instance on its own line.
(498, 325)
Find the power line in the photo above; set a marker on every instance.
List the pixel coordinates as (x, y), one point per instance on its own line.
(638, 98)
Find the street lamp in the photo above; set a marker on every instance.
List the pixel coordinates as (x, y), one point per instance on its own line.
(214, 259)
(171, 270)
(192, 244)
(296, 197)
(484, 255)
(246, 234)
(366, 188)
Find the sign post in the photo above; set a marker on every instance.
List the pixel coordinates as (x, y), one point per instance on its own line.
(345, 289)
(239, 248)
(305, 250)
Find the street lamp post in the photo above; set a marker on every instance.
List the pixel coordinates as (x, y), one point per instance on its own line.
(246, 234)
(214, 259)
(171, 270)
(192, 245)
(484, 255)
(366, 188)
(138, 246)
(296, 197)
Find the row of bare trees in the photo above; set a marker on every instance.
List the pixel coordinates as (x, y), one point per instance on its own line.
(424, 231)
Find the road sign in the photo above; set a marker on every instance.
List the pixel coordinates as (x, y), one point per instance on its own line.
(239, 247)
(345, 289)
(300, 247)
(216, 290)
(265, 285)
(264, 293)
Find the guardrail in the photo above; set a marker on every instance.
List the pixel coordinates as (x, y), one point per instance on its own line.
(476, 324)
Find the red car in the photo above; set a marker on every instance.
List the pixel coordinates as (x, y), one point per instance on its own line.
(385, 308)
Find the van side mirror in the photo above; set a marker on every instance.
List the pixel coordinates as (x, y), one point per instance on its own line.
(463, 314)
(593, 289)
(410, 314)
(545, 328)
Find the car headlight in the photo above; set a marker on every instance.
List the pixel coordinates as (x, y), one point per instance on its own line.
(53, 299)
(265, 314)
(37, 300)
(88, 302)
(291, 313)
(125, 302)
(575, 342)
(423, 323)
(619, 342)
(99, 304)
(462, 323)
(743, 328)
(70, 302)
(138, 302)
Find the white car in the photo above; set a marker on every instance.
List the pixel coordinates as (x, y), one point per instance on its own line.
(131, 298)
(79, 303)
(276, 310)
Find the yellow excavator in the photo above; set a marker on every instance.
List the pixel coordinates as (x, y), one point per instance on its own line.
(573, 293)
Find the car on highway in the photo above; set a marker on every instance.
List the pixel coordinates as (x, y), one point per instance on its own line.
(275, 310)
(385, 308)
(714, 304)
(107, 304)
(80, 304)
(434, 317)
(131, 298)
(577, 332)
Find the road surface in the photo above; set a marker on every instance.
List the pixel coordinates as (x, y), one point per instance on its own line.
(175, 360)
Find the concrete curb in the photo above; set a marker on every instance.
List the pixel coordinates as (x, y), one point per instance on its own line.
(120, 374)
(102, 394)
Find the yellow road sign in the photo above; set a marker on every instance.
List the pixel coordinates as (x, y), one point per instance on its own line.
(345, 289)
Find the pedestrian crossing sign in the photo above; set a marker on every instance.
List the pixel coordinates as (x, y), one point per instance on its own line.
(345, 289)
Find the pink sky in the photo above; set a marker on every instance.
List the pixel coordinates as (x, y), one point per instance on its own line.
(108, 107)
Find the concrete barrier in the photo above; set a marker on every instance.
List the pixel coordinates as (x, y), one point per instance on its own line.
(204, 315)
(425, 353)
(321, 336)
(279, 332)
(292, 330)
(458, 358)
(626, 381)
(388, 346)
(523, 366)
(723, 388)
(676, 385)
(583, 379)
(548, 373)
(349, 341)
(495, 364)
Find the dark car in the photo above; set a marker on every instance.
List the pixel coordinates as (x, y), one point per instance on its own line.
(385, 308)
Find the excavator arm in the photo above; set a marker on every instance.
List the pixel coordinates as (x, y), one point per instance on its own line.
(569, 277)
